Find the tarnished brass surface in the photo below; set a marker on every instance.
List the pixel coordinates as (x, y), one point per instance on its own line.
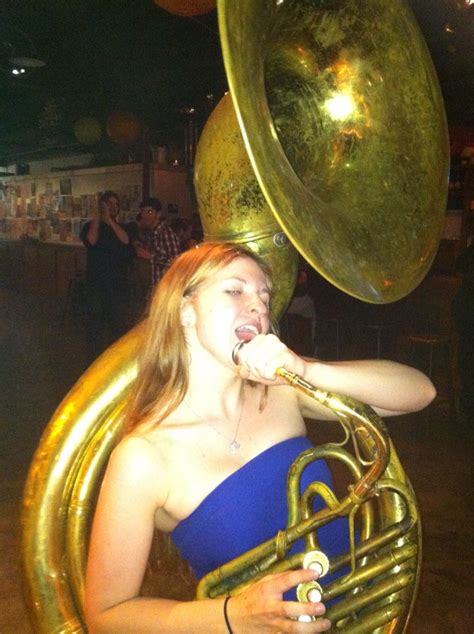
(61, 484)
(342, 116)
(231, 205)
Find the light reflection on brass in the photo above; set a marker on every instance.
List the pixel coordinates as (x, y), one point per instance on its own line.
(363, 195)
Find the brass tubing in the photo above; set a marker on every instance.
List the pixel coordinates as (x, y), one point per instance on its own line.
(329, 450)
(363, 413)
(293, 487)
(260, 558)
(366, 573)
(380, 590)
(256, 561)
(49, 590)
(311, 492)
(82, 500)
(369, 546)
(405, 492)
(335, 451)
(373, 620)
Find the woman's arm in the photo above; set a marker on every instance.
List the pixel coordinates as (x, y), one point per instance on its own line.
(120, 543)
(122, 533)
(390, 388)
(121, 536)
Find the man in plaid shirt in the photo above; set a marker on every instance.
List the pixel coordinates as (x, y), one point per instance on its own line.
(162, 243)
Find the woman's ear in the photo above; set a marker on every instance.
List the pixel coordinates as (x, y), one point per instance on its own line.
(188, 317)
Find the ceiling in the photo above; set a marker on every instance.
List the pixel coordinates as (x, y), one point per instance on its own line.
(130, 55)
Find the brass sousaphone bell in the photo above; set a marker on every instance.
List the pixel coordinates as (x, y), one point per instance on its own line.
(342, 119)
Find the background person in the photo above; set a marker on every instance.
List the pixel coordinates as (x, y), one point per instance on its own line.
(164, 244)
(182, 229)
(155, 246)
(108, 258)
(209, 447)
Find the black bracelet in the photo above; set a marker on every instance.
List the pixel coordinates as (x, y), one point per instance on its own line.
(226, 616)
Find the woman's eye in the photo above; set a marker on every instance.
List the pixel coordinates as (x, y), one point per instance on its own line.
(233, 291)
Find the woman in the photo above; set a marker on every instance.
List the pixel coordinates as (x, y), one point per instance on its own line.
(108, 259)
(201, 424)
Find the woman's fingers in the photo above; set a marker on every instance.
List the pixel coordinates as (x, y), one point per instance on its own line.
(261, 608)
(295, 610)
(299, 613)
(259, 359)
(284, 581)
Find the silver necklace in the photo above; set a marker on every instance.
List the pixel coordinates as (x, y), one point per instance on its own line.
(234, 446)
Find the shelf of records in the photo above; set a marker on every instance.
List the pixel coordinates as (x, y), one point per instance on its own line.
(51, 213)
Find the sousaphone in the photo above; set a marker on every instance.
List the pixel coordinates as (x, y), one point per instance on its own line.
(341, 116)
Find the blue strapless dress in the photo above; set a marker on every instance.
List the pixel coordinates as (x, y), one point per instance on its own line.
(249, 507)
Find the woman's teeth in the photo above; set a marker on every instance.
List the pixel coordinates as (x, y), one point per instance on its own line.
(246, 333)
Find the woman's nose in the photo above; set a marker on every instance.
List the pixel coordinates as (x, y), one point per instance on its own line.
(257, 305)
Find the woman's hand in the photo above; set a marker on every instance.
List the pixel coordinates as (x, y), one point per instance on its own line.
(105, 213)
(259, 359)
(261, 608)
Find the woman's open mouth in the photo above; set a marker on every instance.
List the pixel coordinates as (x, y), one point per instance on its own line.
(247, 332)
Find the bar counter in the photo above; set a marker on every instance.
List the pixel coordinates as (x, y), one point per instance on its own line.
(39, 267)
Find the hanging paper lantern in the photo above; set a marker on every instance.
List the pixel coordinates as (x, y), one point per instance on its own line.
(123, 128)
(187, 8)
(87, 130)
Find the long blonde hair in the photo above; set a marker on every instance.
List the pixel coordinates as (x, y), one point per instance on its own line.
(163, 376)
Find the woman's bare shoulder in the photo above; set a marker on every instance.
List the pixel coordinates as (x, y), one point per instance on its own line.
(136, 446)
(136, 462)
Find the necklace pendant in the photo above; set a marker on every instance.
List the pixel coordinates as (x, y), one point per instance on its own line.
(234, 447)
